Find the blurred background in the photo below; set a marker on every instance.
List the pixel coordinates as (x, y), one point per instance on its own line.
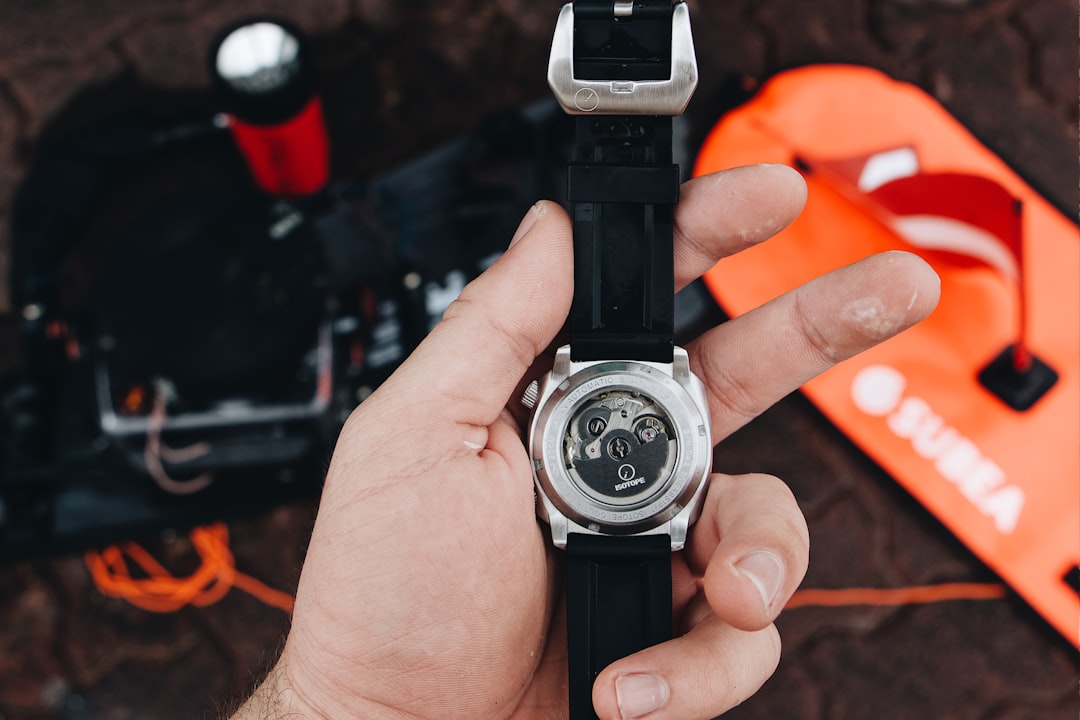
(398, 80)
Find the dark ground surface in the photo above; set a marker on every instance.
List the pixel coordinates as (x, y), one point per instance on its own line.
(401, 77)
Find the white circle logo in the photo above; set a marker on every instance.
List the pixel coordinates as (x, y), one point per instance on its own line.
(878, 389)
(587, 99)
(627, 472)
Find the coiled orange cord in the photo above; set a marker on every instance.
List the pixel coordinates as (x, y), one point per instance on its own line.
(162, 592)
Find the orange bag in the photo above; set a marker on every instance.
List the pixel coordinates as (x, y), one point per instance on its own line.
(976, 411)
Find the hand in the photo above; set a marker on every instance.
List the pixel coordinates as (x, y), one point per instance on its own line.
(431, 591)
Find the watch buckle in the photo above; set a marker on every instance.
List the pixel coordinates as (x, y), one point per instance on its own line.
(624, 97)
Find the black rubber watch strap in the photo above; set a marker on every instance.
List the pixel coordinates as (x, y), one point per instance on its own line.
(618, 601)
(623, 189)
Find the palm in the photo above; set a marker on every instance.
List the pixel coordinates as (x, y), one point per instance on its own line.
(479, 601)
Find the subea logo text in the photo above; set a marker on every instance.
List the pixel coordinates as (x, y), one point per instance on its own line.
(879, 391)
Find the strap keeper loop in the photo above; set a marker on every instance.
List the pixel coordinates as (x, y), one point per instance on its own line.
(636, 184)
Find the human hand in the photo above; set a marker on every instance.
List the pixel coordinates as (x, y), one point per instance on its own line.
(429, 588)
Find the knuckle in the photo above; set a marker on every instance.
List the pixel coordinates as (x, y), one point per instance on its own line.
(736, 670)
(730, 391)
(811, 332)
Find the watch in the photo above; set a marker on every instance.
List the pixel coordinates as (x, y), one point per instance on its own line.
(619, 437)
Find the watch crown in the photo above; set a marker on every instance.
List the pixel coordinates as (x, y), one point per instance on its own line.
(532, 391)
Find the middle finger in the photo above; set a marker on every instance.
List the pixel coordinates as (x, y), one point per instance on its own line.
(749, 363)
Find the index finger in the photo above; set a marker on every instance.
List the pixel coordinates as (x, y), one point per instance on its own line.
(726, 212)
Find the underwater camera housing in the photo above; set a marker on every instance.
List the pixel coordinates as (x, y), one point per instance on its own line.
(186, 346)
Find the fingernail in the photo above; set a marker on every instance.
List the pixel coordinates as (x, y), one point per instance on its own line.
(639, 695)
(766, 570)
(534, 214)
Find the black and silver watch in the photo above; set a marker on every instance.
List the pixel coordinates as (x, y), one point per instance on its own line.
(619, 437)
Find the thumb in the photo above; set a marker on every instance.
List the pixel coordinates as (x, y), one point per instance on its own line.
(501, 322)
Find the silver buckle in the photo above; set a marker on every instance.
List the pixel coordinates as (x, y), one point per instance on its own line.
(624, 97)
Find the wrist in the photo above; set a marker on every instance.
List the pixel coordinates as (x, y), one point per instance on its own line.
(276, 699)
(288, 693)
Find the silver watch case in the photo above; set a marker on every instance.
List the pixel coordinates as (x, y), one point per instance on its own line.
(673, 508)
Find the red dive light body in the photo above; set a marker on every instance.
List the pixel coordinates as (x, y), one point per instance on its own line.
(291, 158)
(263, 74)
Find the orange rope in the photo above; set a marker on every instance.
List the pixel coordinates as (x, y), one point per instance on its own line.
(915, 595)
(160, 591)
